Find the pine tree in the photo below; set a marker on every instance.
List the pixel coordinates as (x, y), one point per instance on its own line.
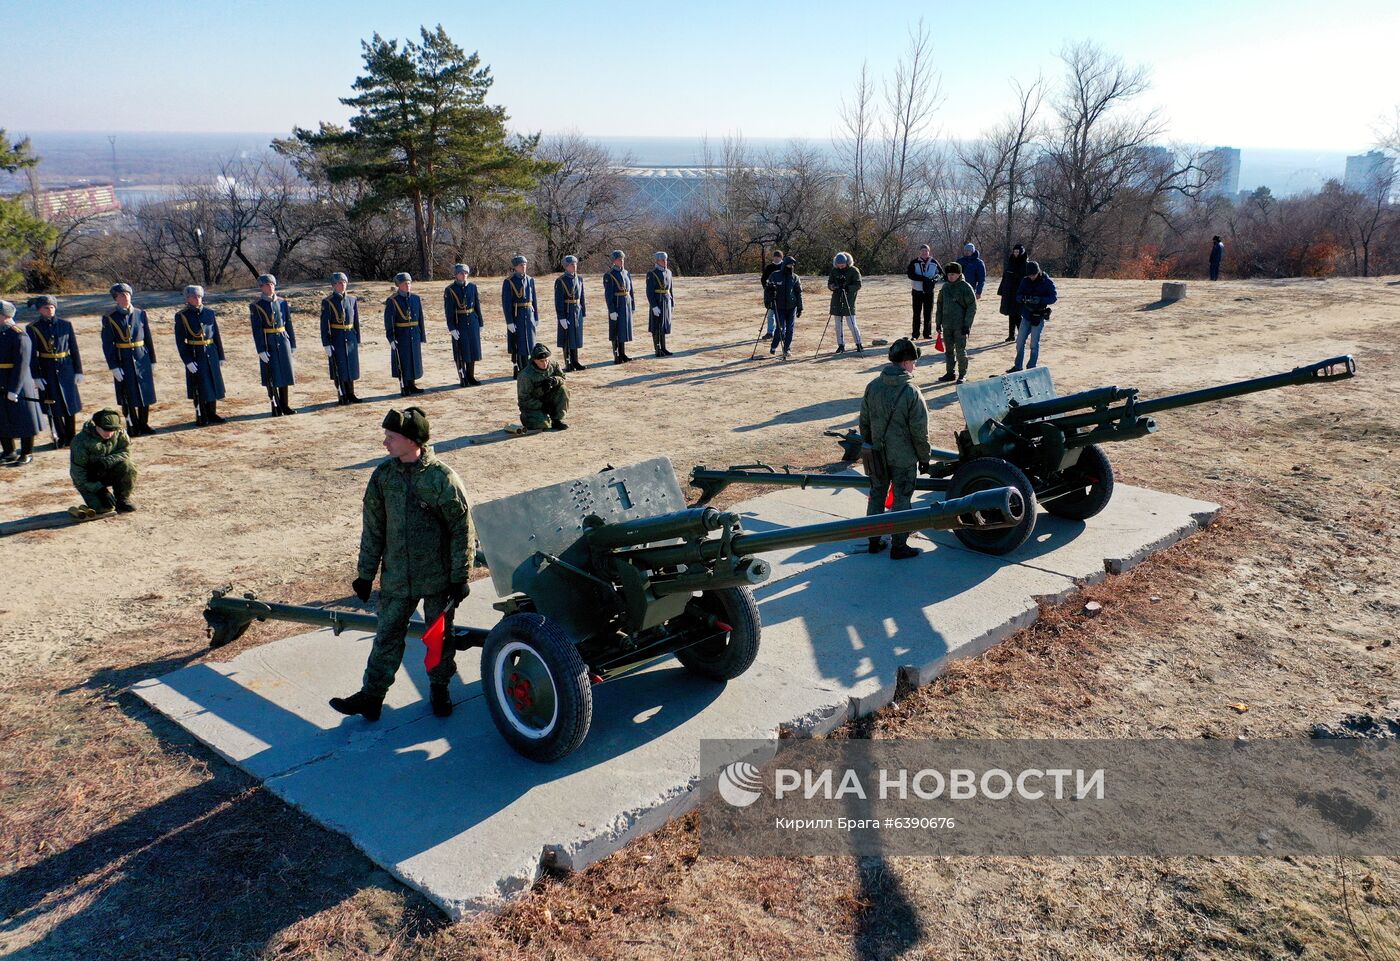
(423, 135)
(21, 232)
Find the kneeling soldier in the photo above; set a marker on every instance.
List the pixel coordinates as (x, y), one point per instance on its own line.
(417, 536)
(894, 423)
(544, 400)
(101, 468)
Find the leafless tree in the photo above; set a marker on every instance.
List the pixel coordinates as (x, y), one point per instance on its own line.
(996, 164)
(584, 200)
(886, 149)
(1096, 156)
(726, 203)
(789, 197)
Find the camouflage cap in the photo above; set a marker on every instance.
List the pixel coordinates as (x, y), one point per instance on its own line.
(903, 349)
(108, 419)
(541, 350)
(411, 422)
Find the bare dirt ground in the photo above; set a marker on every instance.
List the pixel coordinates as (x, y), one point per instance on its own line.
(121, 838)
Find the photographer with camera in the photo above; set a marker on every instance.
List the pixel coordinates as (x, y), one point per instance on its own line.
(1034, 296)
(844, 283)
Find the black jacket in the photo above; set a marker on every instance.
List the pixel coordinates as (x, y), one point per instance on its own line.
(785, 289)
(1011, 276)
(768, 271)
(928, 282)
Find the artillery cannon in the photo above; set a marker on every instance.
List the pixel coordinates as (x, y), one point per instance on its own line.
(604, 575)
(1020, 434)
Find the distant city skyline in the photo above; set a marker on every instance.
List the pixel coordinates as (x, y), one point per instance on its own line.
(1222, 74)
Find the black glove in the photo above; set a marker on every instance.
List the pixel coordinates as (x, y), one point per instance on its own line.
(925, 467)
(799, 312)
(362, 588)
(458, 590)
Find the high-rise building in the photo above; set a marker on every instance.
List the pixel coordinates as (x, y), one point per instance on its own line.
(1369, 173)
(1222, 172)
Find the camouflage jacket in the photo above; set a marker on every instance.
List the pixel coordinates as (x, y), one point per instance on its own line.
(894, 418)
(89, 454)
(417, 528)
(957, 305)
(534, 384)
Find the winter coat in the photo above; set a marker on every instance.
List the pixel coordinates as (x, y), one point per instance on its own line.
(957, 305)
(786, 291)
(417, 528)
(845, 284)
(974, 271)
(1033, 297)
(1011, 276)
(894, 418)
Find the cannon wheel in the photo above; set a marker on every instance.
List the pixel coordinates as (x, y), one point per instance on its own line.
(985, 473)
(536, 686)
(725, 658)
(1097, 473)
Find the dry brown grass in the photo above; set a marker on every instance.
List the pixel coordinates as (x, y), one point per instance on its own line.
(121, 838)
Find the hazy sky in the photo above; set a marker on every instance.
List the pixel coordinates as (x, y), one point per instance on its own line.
(1283, 73)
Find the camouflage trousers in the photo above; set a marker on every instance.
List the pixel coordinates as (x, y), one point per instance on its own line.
(883, 476)
(117, 481)
(955, 349)
(387, 653)
(555, 406)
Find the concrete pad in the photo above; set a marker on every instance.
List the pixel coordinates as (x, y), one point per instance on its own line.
(448, 808)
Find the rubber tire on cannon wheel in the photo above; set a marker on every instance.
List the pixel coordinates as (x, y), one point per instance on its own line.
(531, 650)
(1084, 505)
(987, 473)
(725, 659)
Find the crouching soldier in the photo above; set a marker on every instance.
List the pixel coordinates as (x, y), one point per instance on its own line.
(101, 468)
(544, 400)
(894, 423)
(417, 536)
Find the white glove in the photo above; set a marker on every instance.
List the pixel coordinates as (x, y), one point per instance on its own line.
(510, 327)
(192, 367)
(40, 383)
(656, 311)
(294, 350)
(330, 352)
(564, 322)
(265, 357)
(11, 396)
(456, 335)
(612, 316)
(118, 374)
(393, 345)
(77, 378)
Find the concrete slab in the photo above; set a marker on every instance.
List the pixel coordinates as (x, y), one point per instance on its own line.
(448, 808)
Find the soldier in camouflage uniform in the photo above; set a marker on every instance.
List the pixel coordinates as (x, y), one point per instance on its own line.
(101, 468)
(417, 536)
(544, 400)
(894, 424)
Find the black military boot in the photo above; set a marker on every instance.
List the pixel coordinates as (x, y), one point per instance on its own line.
(622, 352)
(350, 397)
(900, 549)
(471, 374)
(283, 404)
(125, 507)
(441, 700)
(947, 378)
(143, 421)
(578, 364)
(201, 418)
(877, 544)
(211, 413)
(365, 705)
(662, 338)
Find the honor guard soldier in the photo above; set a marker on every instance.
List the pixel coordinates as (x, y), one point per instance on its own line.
(461, 305)
(662, 299)
(100, 465)
(622, 304)
(417, 536)
(19, 410)
(57, 369)
(522, 310)
(570, 307)
(407, 333)
(544, 400)
(275, 340)
(894, 424)
(201, 349)
(130, 353)
(340, 336)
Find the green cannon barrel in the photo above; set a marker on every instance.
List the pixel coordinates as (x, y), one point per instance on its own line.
(989, 509)
(712, 480)
(228, 617)
(1333, 368)
(690, 523)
